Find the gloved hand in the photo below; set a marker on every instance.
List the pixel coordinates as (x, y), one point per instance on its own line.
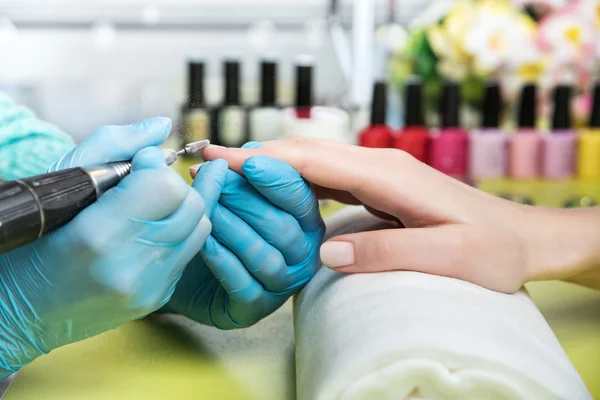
(117, 261)
(264, 247)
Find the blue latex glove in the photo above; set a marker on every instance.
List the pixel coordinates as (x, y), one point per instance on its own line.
(264, 247)
(117, 261)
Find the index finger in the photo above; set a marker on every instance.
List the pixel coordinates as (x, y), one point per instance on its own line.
(374, 176)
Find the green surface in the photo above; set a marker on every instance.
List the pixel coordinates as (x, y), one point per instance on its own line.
(546, 193)
(157, 358)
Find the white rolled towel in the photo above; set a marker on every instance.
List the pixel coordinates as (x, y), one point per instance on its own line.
(406, 335)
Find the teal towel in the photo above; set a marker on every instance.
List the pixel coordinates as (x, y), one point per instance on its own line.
(28, 146)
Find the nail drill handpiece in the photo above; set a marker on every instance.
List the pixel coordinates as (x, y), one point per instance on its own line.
(34, 206)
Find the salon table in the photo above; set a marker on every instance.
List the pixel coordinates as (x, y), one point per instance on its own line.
(170, 357)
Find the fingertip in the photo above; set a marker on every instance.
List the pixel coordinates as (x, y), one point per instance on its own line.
(194, 170)
(212, 152)
(149, 157)
(235, 157)
(209, 182)
(205, 228)
(214, 170)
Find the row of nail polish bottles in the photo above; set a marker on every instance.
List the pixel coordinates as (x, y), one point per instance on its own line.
(489, 152)
(232, 123)
(444, 149)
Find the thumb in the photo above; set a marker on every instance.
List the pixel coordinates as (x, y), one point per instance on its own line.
(436, 250)
(116, 143)
(209, 183)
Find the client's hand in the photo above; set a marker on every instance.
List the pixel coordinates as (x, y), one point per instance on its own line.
(264, 246)
(452, 229)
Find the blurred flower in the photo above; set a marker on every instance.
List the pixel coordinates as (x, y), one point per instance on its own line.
(501, 36)
(447, 39)
(567, 37)
(590, 10)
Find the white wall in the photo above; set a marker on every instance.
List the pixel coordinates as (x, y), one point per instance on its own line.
(142, 74)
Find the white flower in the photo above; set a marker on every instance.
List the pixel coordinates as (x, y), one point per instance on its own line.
(590, 10)
(568, 36)
(499, 39)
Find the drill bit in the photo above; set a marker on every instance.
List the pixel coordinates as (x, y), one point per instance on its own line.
(172, 155)
(195, 147)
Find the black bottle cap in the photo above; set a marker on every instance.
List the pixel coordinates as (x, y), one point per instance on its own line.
(413, 103)
(379, 105)
(196, 84)
(304, 78)
(561, 118)
(268, 83)
(450, 105)
(595, 117)
(528, 106)
(492, 106)
(232, 82)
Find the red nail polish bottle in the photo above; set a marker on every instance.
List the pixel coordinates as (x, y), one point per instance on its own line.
(377, 134)
(414, 137)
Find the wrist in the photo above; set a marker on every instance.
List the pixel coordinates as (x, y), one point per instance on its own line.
(560, 244)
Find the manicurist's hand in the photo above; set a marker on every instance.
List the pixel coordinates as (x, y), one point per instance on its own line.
(264, 246)
(450, 228)
(117, 261)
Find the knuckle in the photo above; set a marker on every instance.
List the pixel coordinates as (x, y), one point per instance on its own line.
(252, 295)
(289, 237)
(382, 249)
(300, 145)
(272, 271)
(458, 248)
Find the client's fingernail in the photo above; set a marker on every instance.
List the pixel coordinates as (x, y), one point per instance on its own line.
(337, 254)
(215, 146)
(194, 168)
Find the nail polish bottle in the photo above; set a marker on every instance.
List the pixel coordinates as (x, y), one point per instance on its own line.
(525, 144)
(489, 144)
(265, 118)
(306, 119)
(229, 121)
(449, 147)
(589, 142)
(377, 134)
(414, 136)
(195, 118)
(559, 147)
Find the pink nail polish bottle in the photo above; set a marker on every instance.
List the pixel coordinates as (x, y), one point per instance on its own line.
(525, 145)
(489, 145)
(449, 147)
(560, 146)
